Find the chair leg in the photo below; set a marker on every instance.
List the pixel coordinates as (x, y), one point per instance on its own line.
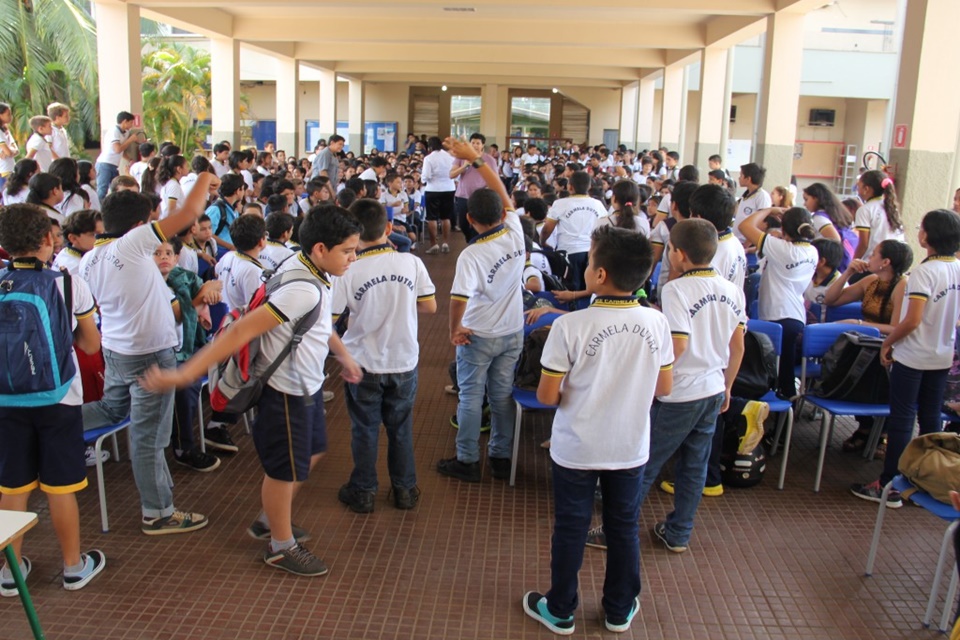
(874, 440)
(246, 423)
(826, 428)
(938, 574)
(203, 444)
(777, 433)
(786, 449)
(516, 444)
(116, 448)
(948, 603)
(875, 543)
(101, 489)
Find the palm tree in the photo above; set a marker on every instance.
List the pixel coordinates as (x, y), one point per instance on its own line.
(48, 53)
(176, 86)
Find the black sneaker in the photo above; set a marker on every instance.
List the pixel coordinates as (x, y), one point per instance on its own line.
(466, 471)
(260, 531)
(297, 560)
(93, 563)
(500, 468)
(535, 606)
(405, 499)
(596, 538)
(358, 500)
(219, 439)
(177, 522)
(197, 460)
(619, 625)
(660, 532)
(873, 492)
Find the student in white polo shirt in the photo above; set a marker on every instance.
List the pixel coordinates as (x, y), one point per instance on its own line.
(878, 219)
(59, 114)
(791, 263)
(279, 232)
(384, 291)
(486, 323)
(716, 205)
(574, 219)
(614, 344)
(754, 198)
(919, 350)
(115, 141)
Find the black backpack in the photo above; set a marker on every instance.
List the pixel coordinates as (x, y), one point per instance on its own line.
(851, 371)
(529, 368)
(758, 369)
(558, 266)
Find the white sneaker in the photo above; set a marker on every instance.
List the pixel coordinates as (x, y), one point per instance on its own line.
(444, 248)
(414, 247)
(434, 250)
(327, 396)
(8, 588)
(91, 456)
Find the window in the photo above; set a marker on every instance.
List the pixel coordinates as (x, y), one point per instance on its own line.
(530, 118)
(464, 115)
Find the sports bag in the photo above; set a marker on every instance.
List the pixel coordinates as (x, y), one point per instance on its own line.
(758, 368)
(851, 371)
(36, 336)
(529, 368)
(233, 386)
(932, 463)
(558, 266)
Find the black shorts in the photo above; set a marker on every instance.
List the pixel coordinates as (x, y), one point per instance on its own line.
(439, 205)
(287, 433)
(42, 446)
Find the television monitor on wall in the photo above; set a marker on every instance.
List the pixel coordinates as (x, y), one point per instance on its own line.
(822, 117)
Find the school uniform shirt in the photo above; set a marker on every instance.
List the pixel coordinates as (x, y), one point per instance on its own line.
(60, 142)
(220, 168)
(7, 164)
(609, 356)
(526, 159)
(134, 299)
(790, 267)
(69, 259)
(575, 217)
(820, 220)
(137, 169)
(747, 206)
(872, 217)
(273, 254)
(187, 182)
(931, 345)
(660, 236)
(552, 240)
(111, 135)
(730, 260)
(71, 203)
(83, 307)
(16, 198)
(381, 290)
(171, 190)
(53, 214)
(486, 278)
(241, 277)
(704, 309)
(414, 199)
(643, 224)
(664, 205)
(247, 179)
(92, 196)
(369, 174)
(44, 152)
(539, 260)
(188, 259)
(815, 293)
(530, 272)
(394, 205)
(288, 304)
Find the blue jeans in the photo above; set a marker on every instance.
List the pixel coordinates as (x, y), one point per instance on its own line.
(573, 497)
(487, 363)
(684, 428)
(105, 174)
(786, 376)
(401, 241)
(385, 398)
(151, 420)
(914, 394)
(578, 267)
(184, 412)
(460, 206)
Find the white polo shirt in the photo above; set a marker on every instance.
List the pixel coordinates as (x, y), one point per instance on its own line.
(133, 297)
(487, 279)
(931, 345)
(789, 269)
(749, 204)
(660, 236)
(273, 254)
(288, 304)
(60, 141)
(137, 170)
(241, 276)
(609, 355)
(43, 151)
(381, 290)
(171, 190)
(642, 222)
(730, 260)
(575, 217)
(107, 155)
(703, 308)
(71, 203)
(821, 220)
(530, 272)
(872, 217)
(69, 259)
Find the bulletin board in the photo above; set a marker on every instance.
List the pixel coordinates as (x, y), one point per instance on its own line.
(816, 159)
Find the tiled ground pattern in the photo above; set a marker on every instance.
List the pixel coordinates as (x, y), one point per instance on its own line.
(762, 564)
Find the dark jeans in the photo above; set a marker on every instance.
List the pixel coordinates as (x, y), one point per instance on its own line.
(460, 206)
(573, 497)
(105, 175)
(382, 398)
(914, 394)
(578, 267)
(786, 378)
(726, 420)
(184, 410)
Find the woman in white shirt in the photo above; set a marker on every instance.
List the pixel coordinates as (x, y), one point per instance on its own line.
(879, 217)
(439, 192)
(16, 188)
(168, 179)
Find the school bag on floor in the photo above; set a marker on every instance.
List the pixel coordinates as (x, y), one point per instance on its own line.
(233, 386)
(932, 463)
(529, 368)
(851, 371)
(758, 368)
(36, 337)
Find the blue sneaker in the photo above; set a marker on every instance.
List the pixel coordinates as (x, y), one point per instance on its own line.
(535, 605)
(619, 626)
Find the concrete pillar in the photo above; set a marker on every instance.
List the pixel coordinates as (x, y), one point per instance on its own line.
(355, 139)
(225, 89)
(646, 94)
(673, 91)
(328, 103)
(489, 122)
(684, 104)
(779, 97)
(118, 47)
(713, 80)
(289, 126)
(628, 114)
(727, 103)
(927, 105)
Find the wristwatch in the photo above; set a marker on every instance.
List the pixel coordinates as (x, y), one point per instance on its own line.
(476, 164)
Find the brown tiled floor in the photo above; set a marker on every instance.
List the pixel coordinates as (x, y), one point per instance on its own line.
(762, 563)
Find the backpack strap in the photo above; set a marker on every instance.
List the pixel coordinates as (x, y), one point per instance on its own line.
(222, 206)
(67, 290)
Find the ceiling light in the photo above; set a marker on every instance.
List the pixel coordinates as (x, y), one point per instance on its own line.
(555, 90)
(443, 88)
(460, 9)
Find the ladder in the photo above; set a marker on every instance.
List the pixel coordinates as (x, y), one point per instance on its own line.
(848, 170)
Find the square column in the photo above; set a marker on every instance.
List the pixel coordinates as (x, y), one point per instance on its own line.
(713, 76)
(646, 94)
(779, 97)
(673, 90)
(489, 121)
(356, 117)
(288, 107)
(328, 103)
(118, 41)
(628, 114)
(225, 89)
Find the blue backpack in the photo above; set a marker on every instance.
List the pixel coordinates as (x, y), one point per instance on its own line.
(36, 337)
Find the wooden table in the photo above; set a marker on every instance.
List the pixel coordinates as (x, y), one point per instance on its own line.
(14, 524)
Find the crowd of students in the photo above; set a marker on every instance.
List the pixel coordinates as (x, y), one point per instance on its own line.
(156, 255)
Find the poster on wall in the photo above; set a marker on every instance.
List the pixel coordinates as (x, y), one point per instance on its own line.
(380, 135)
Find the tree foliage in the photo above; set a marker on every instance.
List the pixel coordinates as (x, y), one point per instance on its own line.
(176, 90)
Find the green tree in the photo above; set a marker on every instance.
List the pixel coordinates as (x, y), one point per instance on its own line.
(176, 86)
(48, 53)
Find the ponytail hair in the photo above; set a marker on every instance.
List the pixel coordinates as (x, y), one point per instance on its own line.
(148, 182)
(829, 203)
(168, 168)
(900, 256)
(22, 172)
(628, 198)
(69, 173)
(882, 185)
(797, 225)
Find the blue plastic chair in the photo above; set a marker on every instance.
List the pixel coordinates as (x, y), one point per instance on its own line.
(96, 437)
(942, 511)
(852, 311)
(817, 340)
(777, 405)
